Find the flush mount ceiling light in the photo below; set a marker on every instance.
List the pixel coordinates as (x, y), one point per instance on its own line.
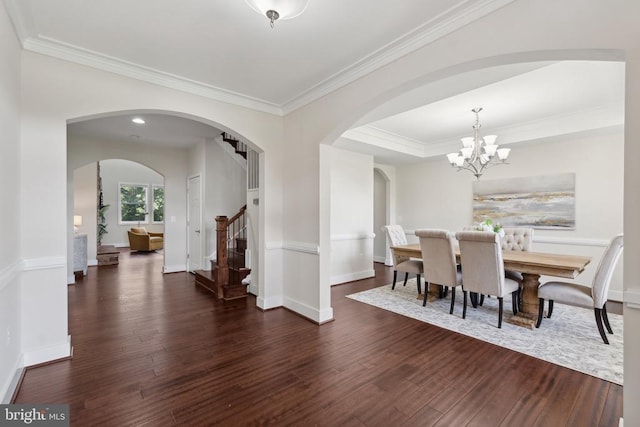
(278, 9)
(138, 120)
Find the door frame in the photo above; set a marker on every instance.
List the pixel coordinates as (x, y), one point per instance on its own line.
(189, 225)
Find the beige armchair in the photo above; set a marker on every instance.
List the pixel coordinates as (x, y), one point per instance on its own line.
(142, 240)
(594, 296)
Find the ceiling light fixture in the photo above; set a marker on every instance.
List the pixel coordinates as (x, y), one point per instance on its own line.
(138, 120)
(278, 9)
(478, 154)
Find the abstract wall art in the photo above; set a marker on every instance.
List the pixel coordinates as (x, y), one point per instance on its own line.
(546, 201)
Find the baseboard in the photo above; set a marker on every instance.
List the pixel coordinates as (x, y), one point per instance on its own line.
(174, 268)
(336, 280)
(269, 303)
(92, 262)
(12, 384)
(53, 352)
(71, 280)
(304, 310)
(617, 296)
(379, 259)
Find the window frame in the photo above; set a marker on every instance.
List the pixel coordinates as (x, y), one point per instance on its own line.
(146, 203)
(152, 203)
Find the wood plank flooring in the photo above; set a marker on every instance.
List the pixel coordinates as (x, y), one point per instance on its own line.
(157, 350)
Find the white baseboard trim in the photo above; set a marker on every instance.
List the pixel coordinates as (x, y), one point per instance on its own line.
(269, 303)
(617, 296)
(121, 245)
(9, 388)
(92, 262)
(632, 299)
(317, 316)
(358, 275)
(174, 268)
(46, 354)
(71, 280)
(379, 259)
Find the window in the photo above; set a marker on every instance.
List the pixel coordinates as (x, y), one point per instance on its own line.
(158, 204)
(133, 203)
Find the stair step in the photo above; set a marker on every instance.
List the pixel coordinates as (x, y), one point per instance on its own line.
(206, 279)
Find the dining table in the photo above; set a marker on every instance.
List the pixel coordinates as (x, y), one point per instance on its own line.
(532, 265)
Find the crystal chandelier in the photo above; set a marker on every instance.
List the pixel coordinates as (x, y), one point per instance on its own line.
(278, 9)
(478, 154)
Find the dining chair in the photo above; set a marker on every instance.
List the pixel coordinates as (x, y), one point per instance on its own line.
(439, 261)
(516, 239)
(483, 269)
(397, 237)
(579, 295)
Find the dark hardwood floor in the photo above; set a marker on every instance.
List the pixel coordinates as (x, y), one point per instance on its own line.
(157, 350)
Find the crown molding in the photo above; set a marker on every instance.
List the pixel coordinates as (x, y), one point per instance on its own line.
(388, 140)
(454, 18)
(457, 16)
(71, 53)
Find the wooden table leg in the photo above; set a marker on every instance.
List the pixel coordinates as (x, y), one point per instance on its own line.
(529, 302)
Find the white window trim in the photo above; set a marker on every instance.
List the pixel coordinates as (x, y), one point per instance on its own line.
(151, 199)
(133, 184)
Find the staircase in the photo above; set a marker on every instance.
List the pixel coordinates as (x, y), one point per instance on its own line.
(225, 279)
(239, 146)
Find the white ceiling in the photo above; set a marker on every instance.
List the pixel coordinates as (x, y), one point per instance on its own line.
(224, 50)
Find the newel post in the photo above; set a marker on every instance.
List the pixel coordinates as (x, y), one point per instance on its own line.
(222, 271)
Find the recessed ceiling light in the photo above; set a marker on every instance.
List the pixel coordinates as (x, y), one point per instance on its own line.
(138, 120)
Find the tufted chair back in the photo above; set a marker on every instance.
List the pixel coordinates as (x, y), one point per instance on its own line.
(396, 237)
(517, 239)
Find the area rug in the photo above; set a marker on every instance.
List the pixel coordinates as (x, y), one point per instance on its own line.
(569, 338)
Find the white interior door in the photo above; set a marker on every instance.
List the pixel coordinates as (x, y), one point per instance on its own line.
(195, 225)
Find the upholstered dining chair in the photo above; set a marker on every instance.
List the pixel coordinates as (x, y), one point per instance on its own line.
(439, 261)
(483, 269)
(397, 237)
(594, 296)
(516, 239)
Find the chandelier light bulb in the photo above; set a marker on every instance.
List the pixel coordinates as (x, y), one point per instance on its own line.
(478, 154)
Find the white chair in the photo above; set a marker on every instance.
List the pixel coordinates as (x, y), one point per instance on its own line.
(439, 261)
(397, 237)
(516, 239)
(584, 296)
(483, 269)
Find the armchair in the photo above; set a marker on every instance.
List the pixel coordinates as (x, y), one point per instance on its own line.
(142, 240)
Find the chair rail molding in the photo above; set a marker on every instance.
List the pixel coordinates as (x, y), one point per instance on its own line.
(354, 236)
(302, 247)
(44, 263)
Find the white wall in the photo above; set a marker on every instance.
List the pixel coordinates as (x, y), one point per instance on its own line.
(225, 190)
(431, 194)
(351, 206)
(114, 172)
(380, 208)
(10, 246)
(85, 204)
(169, 162)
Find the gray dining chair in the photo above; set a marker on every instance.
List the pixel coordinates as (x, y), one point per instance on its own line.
(579, 295)
(483, 269)
(439, 261)
(397, 237)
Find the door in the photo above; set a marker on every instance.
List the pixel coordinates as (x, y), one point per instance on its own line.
(194, 257)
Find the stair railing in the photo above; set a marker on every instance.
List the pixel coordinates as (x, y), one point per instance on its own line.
(229, 231)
